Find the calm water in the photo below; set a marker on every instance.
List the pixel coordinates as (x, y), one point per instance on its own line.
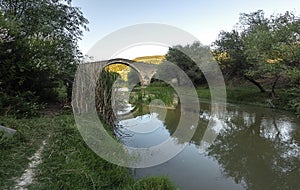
(256, 148)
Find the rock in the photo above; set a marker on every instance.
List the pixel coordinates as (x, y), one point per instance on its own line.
(7, 130)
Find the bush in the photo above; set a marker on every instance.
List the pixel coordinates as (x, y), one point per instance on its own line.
(154, 183)
(294, 102)
(21, 105)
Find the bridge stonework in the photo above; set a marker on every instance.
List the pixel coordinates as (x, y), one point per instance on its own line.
(145, 70)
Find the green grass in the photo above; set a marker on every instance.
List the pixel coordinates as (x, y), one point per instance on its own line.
(246, 94)
(153, 183)
(203, 92)
(153, 91)
(239, 94)
(68, 163)
(250, 95)
(15, 151)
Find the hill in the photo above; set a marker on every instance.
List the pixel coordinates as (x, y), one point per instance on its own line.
(154, 59)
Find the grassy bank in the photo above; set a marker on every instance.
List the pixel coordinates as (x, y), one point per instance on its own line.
(250, 95)
(67, 162)
(235, 94)
(241, 93)
(157, 90)
(15, 151)
(238, 94)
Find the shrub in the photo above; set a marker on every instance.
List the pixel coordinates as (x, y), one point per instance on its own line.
(154, 183)
(21, 105)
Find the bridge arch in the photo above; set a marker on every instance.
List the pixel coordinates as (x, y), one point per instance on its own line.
(145, 71)
(126, 62)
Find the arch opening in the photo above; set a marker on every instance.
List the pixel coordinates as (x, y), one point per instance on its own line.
(128, 63)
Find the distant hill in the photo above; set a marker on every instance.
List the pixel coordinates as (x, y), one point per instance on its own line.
(154, 59)
(122, 69)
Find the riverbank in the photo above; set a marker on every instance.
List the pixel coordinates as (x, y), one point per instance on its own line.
(250, 95)
(48, 152)
(237, 94)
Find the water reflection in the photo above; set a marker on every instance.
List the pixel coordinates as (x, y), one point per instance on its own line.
(254, 149)
(259, 150)
(140, 135)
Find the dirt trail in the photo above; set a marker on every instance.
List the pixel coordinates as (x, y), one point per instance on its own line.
(29, 174)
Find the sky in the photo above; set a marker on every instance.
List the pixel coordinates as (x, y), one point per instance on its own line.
(202, 18)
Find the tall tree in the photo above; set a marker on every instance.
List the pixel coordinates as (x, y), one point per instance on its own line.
(271, 45)
(42, 49)
(262, 48)
(184, 56)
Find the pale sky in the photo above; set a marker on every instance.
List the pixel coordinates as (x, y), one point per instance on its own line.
(202, 18)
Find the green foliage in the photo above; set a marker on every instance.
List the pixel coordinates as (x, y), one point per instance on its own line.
(38, 47)
(203, 92)
(229, 54)
(104, 97)
(15, 150)
(153, 92)
(294, 100)
(259, 40)
(244, 94)
(184, 57)
(4, 138)
(253, 159)
(271, 44)
(241, 94)
(154, 183)
(22, 105)
(261, 49)
(68, 163)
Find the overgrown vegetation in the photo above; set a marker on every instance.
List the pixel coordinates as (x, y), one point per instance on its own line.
(68, 163)
(38, 53)
(38, 59)
(265, 52)
(104, 96)
(184, 57)
(157, 90)
(16, 149)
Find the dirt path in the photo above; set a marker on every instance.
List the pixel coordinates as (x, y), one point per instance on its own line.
(29, 174)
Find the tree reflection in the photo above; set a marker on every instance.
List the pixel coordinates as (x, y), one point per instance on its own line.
(260, 154)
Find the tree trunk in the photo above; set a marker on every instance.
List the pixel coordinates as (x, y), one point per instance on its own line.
(273, 94)
(256, 126)
(256, 84)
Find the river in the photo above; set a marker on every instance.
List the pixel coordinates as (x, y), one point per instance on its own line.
(255, 148)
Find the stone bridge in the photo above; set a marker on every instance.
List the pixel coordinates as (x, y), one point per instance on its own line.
(145, 70)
